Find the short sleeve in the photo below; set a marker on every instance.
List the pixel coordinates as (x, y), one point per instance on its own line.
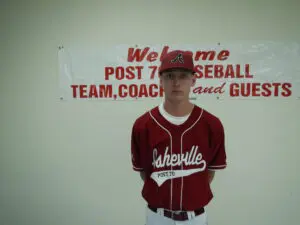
(135, 149)
(218, 161)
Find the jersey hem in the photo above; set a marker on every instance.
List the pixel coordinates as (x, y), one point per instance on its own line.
(217, 167)
(137, 169)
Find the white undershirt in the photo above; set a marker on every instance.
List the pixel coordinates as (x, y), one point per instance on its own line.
(177, 120)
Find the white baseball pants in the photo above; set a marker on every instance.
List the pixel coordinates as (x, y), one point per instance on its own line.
(153, 218)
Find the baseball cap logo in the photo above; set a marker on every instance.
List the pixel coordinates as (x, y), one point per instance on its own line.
(178, 58)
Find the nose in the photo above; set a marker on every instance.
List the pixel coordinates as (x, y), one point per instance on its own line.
(176, 81)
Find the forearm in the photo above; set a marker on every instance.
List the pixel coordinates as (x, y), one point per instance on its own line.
(211, 175)
(142, 174)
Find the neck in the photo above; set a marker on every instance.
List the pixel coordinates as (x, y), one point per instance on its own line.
(179, 108)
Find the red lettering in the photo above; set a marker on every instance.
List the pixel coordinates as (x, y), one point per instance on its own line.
(82, 91)
(208, 71)
(139, 69)
(143, 92)
(93, 91)
(140, 91)
(266, 92)
(135, 54)
(260, 89)
(220, 89)
(74, 87)
(223, 55)
(105, 91)
(139, 54)
(121, 92)
(245, 89)
(255, 89)
(219, 71)
(198, 90)
(124, 73)
(205, 55)
(276, 91)
(153, 70)
(133, 91)
(286, 89)
(164, 52)
(129, 70)
(198, 55)
(198, 70)
(209, 90)
(120, 73)
(108, 71)
(229, 71)
(234, 90)
(247, 71)
(238, 72)
(152, 56)
(161, 93)
(151, 90)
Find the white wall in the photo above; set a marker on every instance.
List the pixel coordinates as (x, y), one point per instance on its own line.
(63, 163)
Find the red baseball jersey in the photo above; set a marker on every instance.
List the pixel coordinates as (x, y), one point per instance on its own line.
(176, 158)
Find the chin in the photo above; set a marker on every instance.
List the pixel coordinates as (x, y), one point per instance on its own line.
(176, 99)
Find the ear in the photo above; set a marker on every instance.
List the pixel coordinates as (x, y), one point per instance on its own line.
(160, 81)
(194, 79)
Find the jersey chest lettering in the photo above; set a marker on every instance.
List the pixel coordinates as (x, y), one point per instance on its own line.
(189, 158)
(165, 160)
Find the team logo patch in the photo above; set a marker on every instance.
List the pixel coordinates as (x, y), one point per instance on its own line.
(178, 58)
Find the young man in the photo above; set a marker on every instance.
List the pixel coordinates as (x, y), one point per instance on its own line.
(176, 147)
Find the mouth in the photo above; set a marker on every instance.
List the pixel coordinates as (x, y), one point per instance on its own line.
(176, 92)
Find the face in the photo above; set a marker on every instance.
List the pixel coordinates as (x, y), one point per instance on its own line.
(177, 84)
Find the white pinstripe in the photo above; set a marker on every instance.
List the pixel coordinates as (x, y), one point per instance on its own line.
(181, 154)
(169, 133)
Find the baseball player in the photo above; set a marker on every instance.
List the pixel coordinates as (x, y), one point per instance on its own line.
(177, 146)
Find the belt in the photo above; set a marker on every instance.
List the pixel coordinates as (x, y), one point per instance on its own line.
(179, 216)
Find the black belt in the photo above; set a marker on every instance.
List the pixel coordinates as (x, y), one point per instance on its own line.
(180, 216)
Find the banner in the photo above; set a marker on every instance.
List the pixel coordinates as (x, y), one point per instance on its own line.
(224, 71)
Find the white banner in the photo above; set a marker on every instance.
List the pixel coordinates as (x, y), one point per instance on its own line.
(235, 70)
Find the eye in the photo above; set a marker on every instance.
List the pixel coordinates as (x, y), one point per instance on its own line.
(169, 76)
(183, 75)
